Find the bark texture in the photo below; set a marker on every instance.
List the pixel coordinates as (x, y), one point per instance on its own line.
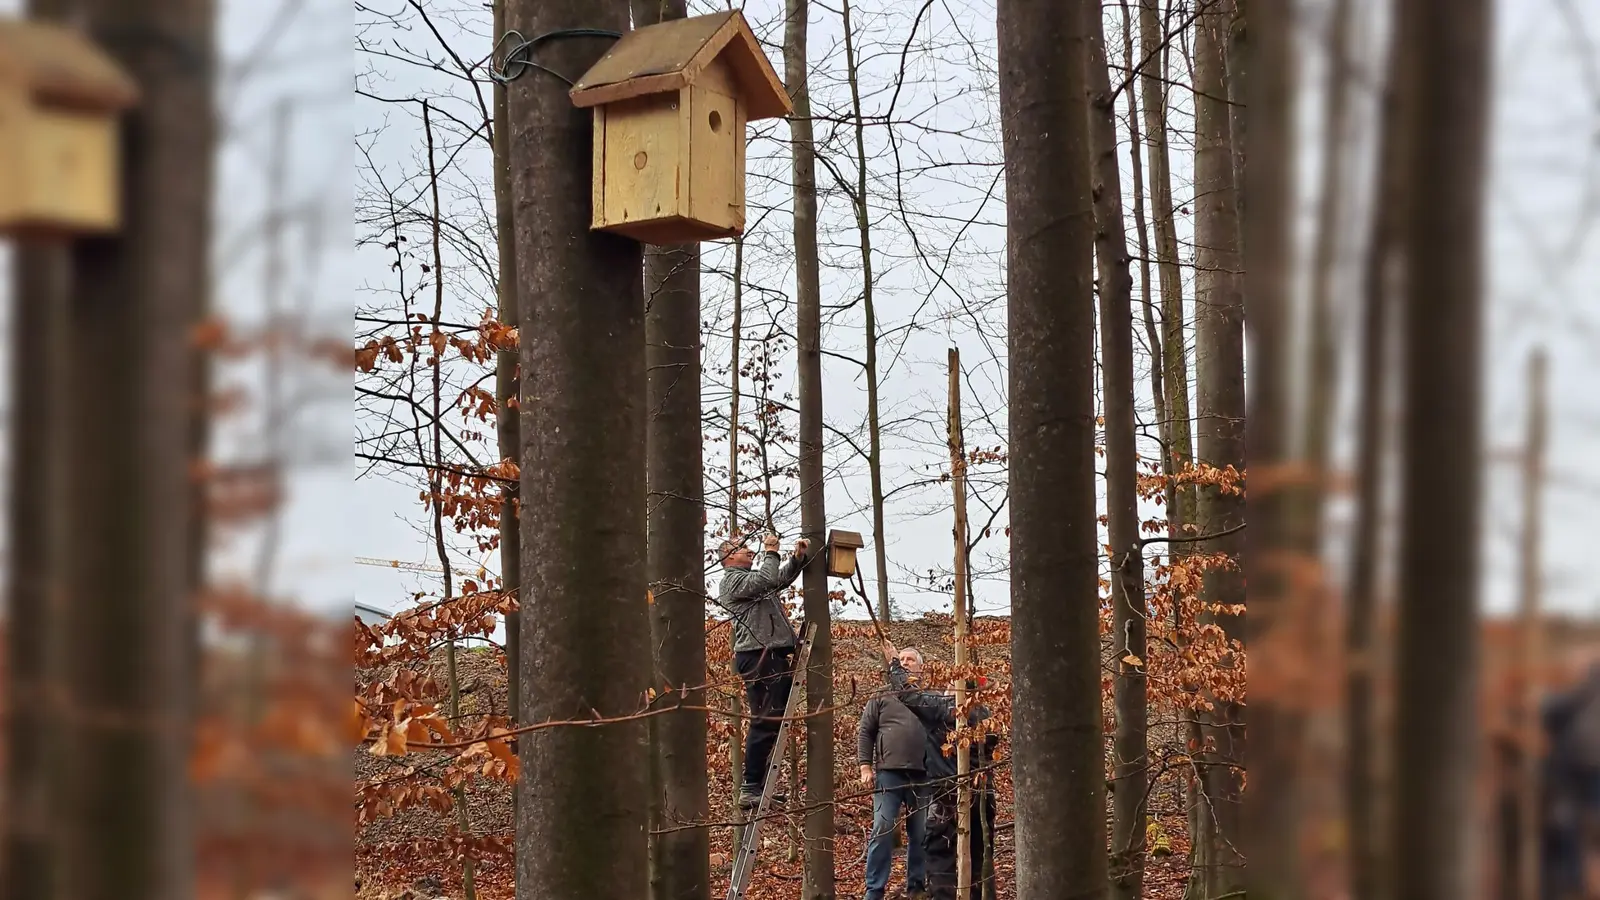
(1274, 843)
(136, 298)
(675, 479)
(1057, 745)
(507, 430)
(1219, 428)
(581, 800)
(33, 588)
(1130, 753)
(1446, 48)
(819, 881)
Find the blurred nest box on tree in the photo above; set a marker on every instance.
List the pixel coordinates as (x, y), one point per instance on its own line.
(842, 547)
(670, 105)
(60, 101)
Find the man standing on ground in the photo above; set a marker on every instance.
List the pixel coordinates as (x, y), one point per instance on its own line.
(763, 648)
(891, 743)
(937, 710)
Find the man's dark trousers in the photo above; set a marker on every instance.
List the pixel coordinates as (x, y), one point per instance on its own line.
(896, 789)
(941, 841)
(768, 674)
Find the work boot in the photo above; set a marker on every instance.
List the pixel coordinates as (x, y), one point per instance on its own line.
(750, 797)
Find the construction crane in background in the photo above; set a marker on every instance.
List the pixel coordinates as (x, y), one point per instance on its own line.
(481, 573)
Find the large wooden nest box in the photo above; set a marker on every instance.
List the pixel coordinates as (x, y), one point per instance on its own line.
(670, 105)
(842, 547)
(60, 100)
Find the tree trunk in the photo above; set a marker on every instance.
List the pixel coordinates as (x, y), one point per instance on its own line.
(1058, 755)
(581, 812)
(1174, 342)
(819, 882)
(675, 480)
(1178, 446)
(1524, 865)
(1239, 67)
(1279, 608)
(1446, 50)
(1361, 645)
(864, 230)
(1131, 760)
(39, 303)
(505, 381)
(1323, 381)
(1142, 228)
(126, 823)
(436, 491)
(1220, 399)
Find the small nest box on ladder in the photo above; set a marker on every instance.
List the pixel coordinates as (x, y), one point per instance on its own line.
(670, 105)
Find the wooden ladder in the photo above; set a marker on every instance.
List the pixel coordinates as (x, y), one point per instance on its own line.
(750, 833)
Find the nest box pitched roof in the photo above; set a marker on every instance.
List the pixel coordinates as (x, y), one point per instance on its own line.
(669, 56)
(60, 66)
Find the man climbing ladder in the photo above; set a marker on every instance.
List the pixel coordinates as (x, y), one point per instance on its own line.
(763, 647)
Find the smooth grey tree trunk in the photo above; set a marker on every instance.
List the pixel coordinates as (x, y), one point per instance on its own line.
(1274, 843)
(126, 820)
(582, 798)
(39, 342)
(1131, 758)
(507, 431)
(1447, 54)
(1219, 425)
(675, 480)
(819, 880)
(1057, 750)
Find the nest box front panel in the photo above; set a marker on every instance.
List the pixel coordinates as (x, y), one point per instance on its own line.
(72, 163)
(715, 135)
(643, 164)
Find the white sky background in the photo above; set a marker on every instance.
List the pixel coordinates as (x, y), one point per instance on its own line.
(1543, 273)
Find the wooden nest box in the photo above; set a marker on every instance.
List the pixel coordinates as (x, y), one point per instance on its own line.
(60, 100)
(670, 105)
(842, 547)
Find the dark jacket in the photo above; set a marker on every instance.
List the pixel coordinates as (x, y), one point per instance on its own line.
(890, 735)
(937, 710)
(750, 596)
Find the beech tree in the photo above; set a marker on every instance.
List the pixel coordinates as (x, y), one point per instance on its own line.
(1220, 398)
(134, 408)
(813, 512)
(675, 481)
(1058, 756)
(581, 807)
(1130, 757)
(1447, 51)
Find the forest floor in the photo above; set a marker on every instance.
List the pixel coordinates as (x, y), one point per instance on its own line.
(389, 868)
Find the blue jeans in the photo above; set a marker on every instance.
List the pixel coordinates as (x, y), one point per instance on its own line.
(896, 788)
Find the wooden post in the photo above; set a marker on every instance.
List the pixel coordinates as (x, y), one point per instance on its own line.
(1531, 646)
(958, 485)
